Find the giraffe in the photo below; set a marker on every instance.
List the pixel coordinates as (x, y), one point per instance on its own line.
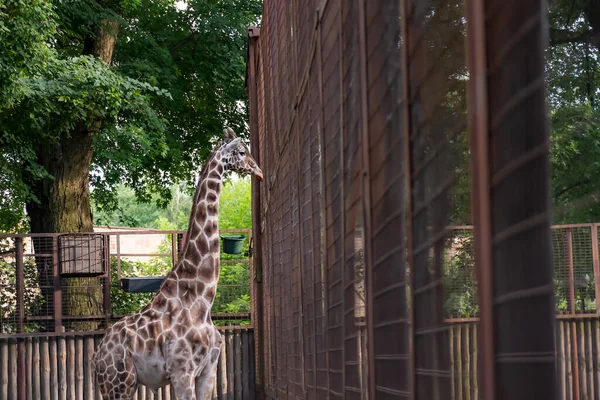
(172, 339)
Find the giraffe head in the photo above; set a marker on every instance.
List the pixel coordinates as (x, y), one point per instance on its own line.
(236, 156)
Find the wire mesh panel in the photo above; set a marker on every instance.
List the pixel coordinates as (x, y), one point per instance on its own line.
(574, 278)
(460, 284)
(436, 80)
(369, 262)
(387, 172)
(333, 194)
(81, 254)
(518, 319)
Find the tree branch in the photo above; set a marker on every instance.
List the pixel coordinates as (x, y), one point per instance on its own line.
(187, 39)
(572, 186)
(562, 36)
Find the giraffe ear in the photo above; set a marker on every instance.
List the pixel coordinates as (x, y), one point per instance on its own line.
(229, 134)
(233, 144)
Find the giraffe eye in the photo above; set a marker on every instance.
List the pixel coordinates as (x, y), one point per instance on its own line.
(242, 153)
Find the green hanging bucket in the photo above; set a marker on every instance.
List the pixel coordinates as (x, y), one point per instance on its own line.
(232, 244)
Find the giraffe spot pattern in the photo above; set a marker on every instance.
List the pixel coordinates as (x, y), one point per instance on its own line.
(173, 321)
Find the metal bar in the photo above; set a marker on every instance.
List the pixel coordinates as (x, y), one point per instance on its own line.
(258, 311)
(251, 274)
(20, 311)
(571, 305)
(596, 261)
(324, 251)
(366, 196)
(301, 265)
(58, 325)
(119, 259)
(480, 191)
(405, 9)
(174, 254)
(20, 277)
(107, 281)
(343, 195)
(570, 269)
(96, 332)
(33, 318)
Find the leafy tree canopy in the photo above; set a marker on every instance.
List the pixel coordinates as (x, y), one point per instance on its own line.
(176, 77)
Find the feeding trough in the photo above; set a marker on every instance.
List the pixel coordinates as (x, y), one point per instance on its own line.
(144, 284)
(232, 244)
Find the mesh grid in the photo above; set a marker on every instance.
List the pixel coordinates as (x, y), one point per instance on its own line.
(335, 104)
(70, 301)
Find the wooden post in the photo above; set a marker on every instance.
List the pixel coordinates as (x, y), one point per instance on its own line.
(58, 324)
(596, 261)
(21, 360)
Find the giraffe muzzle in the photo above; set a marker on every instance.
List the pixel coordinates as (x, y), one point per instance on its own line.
(258, 173)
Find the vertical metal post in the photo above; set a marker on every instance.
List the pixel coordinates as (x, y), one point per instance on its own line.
(58, 323)
(571, 305)
(257, 317)
(322, 211)
(342, 143)
(119, 261)
(570, 270)
(405, 10)
(480, 191)
(596, 261)
(174, 252)
(21, 370)
(107, 281)
(366, 194)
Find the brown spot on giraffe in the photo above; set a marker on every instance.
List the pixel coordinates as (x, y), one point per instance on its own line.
(212, 185)
(206, 270)
(169, 288)
(160, 302)
(209, 230)
(188, 296)
(187, 271)
(202, 246)
(201, 216)
(209, 294)
(214, 245)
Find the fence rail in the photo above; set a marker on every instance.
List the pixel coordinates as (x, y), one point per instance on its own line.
(43, 278)
(60, 367)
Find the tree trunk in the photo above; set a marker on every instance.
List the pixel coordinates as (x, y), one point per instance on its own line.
(64, 201)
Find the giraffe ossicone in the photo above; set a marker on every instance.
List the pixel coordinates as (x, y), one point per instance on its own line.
(172, 339)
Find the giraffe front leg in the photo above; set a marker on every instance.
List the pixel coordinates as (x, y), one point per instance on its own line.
(185, 386)
(206, 382)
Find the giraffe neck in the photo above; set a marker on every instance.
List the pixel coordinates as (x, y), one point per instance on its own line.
(199, 262)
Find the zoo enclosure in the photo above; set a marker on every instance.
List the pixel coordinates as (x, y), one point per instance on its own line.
(41, 270)
(378, 128)
(43, 273)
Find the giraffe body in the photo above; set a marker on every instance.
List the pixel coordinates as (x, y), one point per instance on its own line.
(172, 339)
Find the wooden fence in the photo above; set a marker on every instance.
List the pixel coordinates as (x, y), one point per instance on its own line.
(60, 368)
(577, 351)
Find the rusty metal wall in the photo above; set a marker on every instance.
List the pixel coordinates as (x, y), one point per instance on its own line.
(360, 121)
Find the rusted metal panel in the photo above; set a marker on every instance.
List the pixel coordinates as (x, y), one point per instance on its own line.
(480, 183)
(516, 34)
(362, 133)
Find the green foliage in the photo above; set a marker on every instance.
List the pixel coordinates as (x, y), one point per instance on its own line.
(235, 209)
(460, 287)
(177, 77)
(235, 212)
(33, 300)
